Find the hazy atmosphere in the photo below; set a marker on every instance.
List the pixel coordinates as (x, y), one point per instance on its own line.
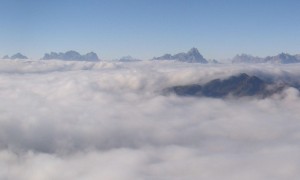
(154, 90)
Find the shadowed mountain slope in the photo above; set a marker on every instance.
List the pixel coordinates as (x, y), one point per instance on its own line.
(238, 86)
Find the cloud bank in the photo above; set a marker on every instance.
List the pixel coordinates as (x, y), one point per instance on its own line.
(108, 120)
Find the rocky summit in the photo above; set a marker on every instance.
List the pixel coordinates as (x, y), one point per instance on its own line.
(15, 56)
(192, 56)
(128, 59)
(71, 56)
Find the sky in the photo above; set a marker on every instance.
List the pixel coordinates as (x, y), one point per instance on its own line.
(143, 29)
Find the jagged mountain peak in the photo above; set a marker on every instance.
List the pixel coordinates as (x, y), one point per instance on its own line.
(15, 56)
(282, 58)
(71, 56)
(192, 56)
(193, 51)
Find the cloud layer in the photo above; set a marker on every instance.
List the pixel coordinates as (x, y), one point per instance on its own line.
(107, 120)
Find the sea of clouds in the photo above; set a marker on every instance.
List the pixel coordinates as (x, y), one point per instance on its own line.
(109, 120)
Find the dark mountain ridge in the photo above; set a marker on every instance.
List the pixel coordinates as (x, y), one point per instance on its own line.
(238, 86)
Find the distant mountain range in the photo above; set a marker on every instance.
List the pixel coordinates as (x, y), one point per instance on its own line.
(128, 59)
(15, 56)
(282, 58)
(192, 56)
(71, 56)
(239, 86)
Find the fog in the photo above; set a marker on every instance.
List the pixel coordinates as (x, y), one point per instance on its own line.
(109, 120)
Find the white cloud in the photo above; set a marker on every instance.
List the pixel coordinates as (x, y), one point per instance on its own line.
(77, 120)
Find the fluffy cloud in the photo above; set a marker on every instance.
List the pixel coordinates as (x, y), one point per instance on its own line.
(108, 120)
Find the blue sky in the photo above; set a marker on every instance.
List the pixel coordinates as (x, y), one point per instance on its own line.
(146, 28)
